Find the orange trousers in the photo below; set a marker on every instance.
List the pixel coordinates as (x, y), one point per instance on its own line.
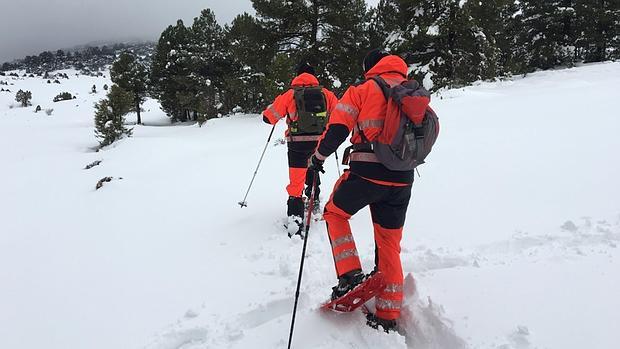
(388, 207)
(299, 153)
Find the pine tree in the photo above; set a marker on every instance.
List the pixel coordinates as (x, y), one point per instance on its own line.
(294, 25)
(24, 98)
(442, 40)
(211, 63)
(347, 40)
(547, 36)
(387, 24)
(249, 42)
(132, 76)
(599, 24)
(248, 87)
(333, 35)
(190, 68)
(110, 116)
(170, 64)
(496, 20)
(411, 29)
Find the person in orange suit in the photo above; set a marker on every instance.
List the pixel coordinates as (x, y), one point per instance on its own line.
(305, 99)
(362, 111)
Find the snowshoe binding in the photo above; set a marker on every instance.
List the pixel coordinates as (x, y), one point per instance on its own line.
(353, 290)
(316, 208)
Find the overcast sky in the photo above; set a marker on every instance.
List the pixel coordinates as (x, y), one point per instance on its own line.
(31, 26)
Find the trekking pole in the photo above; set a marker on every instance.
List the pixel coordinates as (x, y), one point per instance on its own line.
(338, 163)
(303, 256)
(244, 203)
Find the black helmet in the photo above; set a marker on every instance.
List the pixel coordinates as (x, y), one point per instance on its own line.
(304, 67)
(372, 58)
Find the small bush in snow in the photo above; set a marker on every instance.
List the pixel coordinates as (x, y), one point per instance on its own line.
(102, 181)
(37, 109)
(65, 96)
(56, 81)
(93, 90)
(49, 112)
(110, 116)
(24, 97)
(92, 164)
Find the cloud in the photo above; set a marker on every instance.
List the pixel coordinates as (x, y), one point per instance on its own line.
(32, 26)
(29, 27)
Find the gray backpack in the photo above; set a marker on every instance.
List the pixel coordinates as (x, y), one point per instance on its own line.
(410, 128)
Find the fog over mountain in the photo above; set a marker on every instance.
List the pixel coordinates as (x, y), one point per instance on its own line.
(31, 26)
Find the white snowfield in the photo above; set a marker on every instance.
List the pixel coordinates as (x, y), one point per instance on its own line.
(512, 235)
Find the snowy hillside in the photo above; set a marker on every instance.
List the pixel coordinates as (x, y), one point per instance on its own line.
(512, 235)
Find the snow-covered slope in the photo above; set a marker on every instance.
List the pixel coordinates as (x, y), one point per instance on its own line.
(511, 236)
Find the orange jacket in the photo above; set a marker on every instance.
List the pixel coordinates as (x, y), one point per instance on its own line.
(363, 107)
(284, 104)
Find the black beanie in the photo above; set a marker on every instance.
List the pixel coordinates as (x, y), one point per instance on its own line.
(304, 67)
(372, 58)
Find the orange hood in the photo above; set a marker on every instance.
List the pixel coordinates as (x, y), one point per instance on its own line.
(305, 79)
(389, 64)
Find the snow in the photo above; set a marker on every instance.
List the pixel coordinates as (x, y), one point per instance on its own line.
(433, 30)
(511, 240)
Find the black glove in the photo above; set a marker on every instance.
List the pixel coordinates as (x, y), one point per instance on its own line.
(316, 164)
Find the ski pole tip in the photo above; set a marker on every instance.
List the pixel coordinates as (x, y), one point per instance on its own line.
(243, 204)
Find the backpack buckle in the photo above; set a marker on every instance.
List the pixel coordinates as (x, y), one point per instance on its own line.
(346, 155)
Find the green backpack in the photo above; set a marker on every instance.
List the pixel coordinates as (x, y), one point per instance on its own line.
(311, 111)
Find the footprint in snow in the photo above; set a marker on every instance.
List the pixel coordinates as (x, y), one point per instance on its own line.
(265, 313)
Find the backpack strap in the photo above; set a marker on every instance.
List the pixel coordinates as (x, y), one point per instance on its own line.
(385, 89)
(383, 85)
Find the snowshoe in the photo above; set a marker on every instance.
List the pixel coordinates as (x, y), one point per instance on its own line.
(316, 208)
(353, 290)
(294, 226)
(375, 322)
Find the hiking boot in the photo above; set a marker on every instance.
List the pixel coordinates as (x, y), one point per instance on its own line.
(347, 282)
(375, 322)
(295, 207)
(316, 208)
(295, 213)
